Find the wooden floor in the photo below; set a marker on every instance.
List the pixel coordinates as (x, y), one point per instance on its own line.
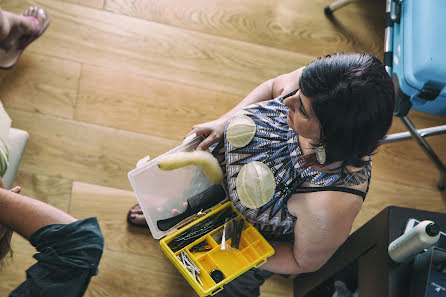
(112, 81)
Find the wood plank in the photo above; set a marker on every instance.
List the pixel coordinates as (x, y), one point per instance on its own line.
(19, 7)
(49, 189)
(384, 193)
(420, 120)
(405, 162)
(110, 206)
(299, 26)
(96, 37)
(41, 84)
(84, 152)
(277, 285)
(89, 3)
(146, 105)
(129, 275)
(129, 251)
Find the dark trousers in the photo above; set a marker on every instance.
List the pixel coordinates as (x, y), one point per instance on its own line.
(246, 285)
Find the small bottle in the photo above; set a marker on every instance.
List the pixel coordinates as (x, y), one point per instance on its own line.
(408, 245)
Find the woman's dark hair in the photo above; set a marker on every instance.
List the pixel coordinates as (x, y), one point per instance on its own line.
(353, 98)
(5, 246)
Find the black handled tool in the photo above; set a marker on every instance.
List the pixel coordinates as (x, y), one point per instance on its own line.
(200, 201)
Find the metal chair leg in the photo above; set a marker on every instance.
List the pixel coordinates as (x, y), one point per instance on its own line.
(423, 133)
(328, 10)
(428, 150)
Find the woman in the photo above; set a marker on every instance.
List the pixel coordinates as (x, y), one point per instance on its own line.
(317, 138)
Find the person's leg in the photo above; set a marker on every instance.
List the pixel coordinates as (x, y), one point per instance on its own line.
(5, 26)
(136, 217)
(246, 285)
(12, 28)
(17, 31)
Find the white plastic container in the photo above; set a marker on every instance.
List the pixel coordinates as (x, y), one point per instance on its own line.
(408, 245)
(158, 191)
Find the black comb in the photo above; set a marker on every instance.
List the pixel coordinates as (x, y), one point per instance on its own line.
(200, 201)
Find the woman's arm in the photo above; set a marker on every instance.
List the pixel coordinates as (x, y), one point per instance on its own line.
(25, 215)
(213, 131)
(268, 90)
(324, 221)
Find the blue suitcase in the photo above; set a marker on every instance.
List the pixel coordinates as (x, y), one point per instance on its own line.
(415, 48)
(417, 58)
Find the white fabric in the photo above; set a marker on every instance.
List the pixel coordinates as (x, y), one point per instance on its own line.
(5, 125)
(17, 143)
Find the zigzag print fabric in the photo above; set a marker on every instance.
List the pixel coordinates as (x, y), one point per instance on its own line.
(276, 145)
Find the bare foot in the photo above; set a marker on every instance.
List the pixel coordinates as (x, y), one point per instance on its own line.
(136, 216)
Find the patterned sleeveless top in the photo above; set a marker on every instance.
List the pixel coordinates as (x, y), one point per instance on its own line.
(276, 145)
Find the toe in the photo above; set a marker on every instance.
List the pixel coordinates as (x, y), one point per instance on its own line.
(27, 11)
(136, 209)
(138, 219)
(39, 13)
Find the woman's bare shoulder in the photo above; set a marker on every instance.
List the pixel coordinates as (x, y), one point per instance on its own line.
(327, 205)
(286, 83)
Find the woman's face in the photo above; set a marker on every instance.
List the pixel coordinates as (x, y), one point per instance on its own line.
(301, 117)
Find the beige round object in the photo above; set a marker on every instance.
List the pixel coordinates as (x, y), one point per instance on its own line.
(255, 184)
(240, 131)
(206, 160)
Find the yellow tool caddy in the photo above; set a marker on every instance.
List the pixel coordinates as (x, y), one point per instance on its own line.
(253, 252)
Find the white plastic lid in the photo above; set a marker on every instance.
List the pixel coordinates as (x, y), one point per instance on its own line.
(158, 191)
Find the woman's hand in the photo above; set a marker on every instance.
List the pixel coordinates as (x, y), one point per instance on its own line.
(16, 189)
(212, 131)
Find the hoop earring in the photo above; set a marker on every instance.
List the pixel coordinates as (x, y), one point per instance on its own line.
(320, 155)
